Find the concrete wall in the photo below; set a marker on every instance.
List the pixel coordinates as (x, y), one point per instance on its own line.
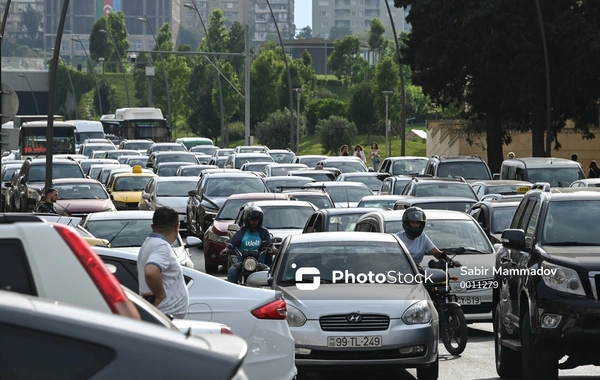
(447, 138)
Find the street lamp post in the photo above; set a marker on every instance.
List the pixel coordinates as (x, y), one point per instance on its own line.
(121, 61)
(146, 21)
(388, 149)
(195, 7)
(298, 91)
(77, 39)
(71, 83)
(32, 93)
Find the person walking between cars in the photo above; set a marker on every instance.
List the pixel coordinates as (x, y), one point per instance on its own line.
(47, 205)
(159, 273)
(249, 238)
(593, 171)
(359, 152)
(375, 157)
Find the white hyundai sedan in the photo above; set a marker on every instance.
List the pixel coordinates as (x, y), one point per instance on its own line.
(257, 315)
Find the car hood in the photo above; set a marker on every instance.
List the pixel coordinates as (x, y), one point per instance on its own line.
(177, 203)
(345, 204)
(389, 299)
(127, 196)
(575, 256)
(76, 206)
(179, 252)
(221, 225)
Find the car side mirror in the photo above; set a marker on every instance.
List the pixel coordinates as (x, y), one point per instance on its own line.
(192, 193)
(233, 227)
(513, 238)
(192, 241)
(146, 196)
(260, 279)
(496, 176)
(371, 170)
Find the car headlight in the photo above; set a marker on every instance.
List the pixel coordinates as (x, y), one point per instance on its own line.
(417, 314)
(295, 318)
(250, 264)
(562, 279)
(217, 238)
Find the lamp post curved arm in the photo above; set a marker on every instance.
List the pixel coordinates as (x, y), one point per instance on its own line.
(37, 109)
(120, 60)
(145, 20)
(195, 7)
(77, 39)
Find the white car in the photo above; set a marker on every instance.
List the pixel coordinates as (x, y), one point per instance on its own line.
(127, 231)
(257, 315)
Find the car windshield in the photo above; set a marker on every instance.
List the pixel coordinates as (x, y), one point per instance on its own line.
(320, 201)
(117, 154)
(272, 185)
(167, 170)
(105, 172)
(137, 161)
(572, 223)
(372, 182)
(255, 167)
(311, 162)
(354, 257)
(342, 194)
(206, 149)
(463, 190)
(557, 177)
(467, 170)
(345, 166)
(407, 167)
(378, 203)
(457, 233)
(174, 188)
(399, 186)
(282, 158)
(81, 191)
(169, 148)
(242, 160)
(137, 183)
(190, 172)
(230, 209)
(316, 175)
(125, 232)
(138, 145)
(224, 152)
(501, 218)
(286, 217)
(281, 170)
(96, 148)
(453, 206)
(177, 158)
(224, 187)
(504, 189)
(344, 222)
(37, 173)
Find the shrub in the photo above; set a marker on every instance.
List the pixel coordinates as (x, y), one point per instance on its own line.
(334, 132)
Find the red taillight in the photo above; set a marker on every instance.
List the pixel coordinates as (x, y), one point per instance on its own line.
(226, 330)
(273, 310)
(106, 283)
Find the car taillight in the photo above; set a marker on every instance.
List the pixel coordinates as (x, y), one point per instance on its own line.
(107, 284)
(226, 330)
(273, 310)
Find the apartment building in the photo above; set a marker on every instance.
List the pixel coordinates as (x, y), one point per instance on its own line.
(14, 26)
(355, 15)
(233, 10)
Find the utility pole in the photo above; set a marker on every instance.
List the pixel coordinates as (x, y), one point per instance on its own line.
(247, 85)
(298, 91)
(388, 150)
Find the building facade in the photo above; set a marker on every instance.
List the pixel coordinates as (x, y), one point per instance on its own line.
(14, 24)
(355, 15)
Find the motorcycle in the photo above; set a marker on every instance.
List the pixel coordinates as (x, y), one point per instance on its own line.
(453, 324)
(250, 262)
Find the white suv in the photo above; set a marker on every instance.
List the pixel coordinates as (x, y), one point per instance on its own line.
(53, 261)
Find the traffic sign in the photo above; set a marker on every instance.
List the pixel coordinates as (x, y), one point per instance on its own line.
(10, 103)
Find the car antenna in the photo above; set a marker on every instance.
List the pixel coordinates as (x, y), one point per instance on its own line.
(65, 211)
(117, 234)
(347, 198)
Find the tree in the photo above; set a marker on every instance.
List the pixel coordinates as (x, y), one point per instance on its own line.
(118, 31)
(274, 132)
(237, 44)
(100, 44)
(377, 39)
(334, 132)
(339, 32)
(217, 32)
(304, 33)
(266, 73)
(343, 56)
(322, 109)
(231, 99)
(387, 78)
(203, 119)
(365, 118)
(32, 20)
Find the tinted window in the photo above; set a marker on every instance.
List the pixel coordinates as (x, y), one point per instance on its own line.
(8, 174)
(169, 148)
(224, 187)
(372, 182)
(278, 170)
(242, 160)
(126, 273)
(572, 222)
(283, 158)
(406, 167)
(319, 201)
(378, 203)
(453, 206)
(204, 149)
(462, 190)
(81, 191)
(310, 162)
(317, 176)
(343, 222)
(393, 226)
(457, 233)
(230, 209)
(400, 184)
(272, 185)
(37, 173)
(177, 158)
(175, 188)
(34, 354)
(137, 145)
(15, 274)
(467, 170)
(131, 183)
(286, 217)
(347, 166)
(501, 218)
(348, 194)
(557, 177)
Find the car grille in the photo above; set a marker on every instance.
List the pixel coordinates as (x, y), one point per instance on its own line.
(368, 322)
(358, 354)
(132, 205)
(485, 307)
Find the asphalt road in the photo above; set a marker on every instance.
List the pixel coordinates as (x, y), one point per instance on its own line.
(476, 362)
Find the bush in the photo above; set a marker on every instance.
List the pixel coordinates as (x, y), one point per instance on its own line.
(275, 131)
(322, 109)
(237, 131)
(334, 132)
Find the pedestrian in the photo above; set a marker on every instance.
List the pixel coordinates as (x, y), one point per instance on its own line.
(160, 275)
(574, 157)
(510, 155)
(344, 150)
(46, 206)
(358, 152)
(375, 157)
(593, 170)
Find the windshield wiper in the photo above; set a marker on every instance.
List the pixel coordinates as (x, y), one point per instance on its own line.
(473, 250)
(573, 243)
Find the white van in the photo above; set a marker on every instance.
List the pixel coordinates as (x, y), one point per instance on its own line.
(87, 129)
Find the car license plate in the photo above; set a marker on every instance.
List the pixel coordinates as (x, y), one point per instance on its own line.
(354, 341)
(469, 300)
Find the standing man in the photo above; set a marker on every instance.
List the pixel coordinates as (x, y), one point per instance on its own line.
(574, 157)
(510, 155)
(159, 272)
(47, 205)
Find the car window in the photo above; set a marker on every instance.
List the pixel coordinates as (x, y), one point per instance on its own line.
(131, 183)
(501, 218)
(557, 177)
(56, 356)
(530, 231)
(526, 214)
(344, 222)
(445, 190)
(174, 188)
(567, 222)
(230, 209)
(81, 191)
(467, 170)
(320, 201)
(126, 273)
(458, 233)
(348, 194)
(393, 227)
(407, 167)
(346, 166)
(15, 274)
(224, 187)
(372, 182)
(400, 185)
(286, 217)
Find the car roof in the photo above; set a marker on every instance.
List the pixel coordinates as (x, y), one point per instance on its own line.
(173, 152)
(336, 184)
(499, 203)
(288, 178)
(168, 144)
(574, 193)
(259, 196)
(431, 214)
(436, 199)
(38, 161)
(177, 179)
(589, 180)
(121, 215)
(543, 162)
(472, 157)
(364, 174)
(383, 197)
(236, 174)
(501, 182)
(439, 180)
(353, 236)
(348, 210)
(406, 158)
(74, 180)
(280, 151)
(177, 163)
(254, 154)
(285, 203)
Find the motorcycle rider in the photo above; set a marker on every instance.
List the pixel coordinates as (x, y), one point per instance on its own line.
(249, 238)
(417, 242)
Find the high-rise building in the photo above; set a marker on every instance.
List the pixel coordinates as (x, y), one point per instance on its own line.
(233, 10)
(355, 15)
(15, 27)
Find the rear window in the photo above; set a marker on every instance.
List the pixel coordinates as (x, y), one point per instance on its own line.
(462, 190)
(15, 274)
(37, 173)
(467, 170)
(557, 177)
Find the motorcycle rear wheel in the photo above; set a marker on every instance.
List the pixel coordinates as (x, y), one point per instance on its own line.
(454, 331)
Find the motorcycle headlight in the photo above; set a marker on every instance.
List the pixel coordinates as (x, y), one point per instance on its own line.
(562, 279)
(250, 264)
(417, 314)
(295, 318)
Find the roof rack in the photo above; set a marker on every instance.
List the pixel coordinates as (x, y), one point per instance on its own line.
(544, 186)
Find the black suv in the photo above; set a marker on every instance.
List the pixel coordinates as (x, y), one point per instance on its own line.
(547, 283)
(468, 167)
(31, 180)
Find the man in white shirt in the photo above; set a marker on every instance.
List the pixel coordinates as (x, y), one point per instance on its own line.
(160, 275)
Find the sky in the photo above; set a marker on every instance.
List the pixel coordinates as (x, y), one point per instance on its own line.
(303, 13)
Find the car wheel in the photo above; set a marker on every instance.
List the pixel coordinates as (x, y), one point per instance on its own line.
(535, 366)
(429, 373)
(211, 268)
(508, 362)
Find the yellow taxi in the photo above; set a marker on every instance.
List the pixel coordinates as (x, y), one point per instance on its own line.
(125, 189)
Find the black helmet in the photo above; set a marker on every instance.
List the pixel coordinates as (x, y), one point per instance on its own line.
(253, 212)
(414, 214)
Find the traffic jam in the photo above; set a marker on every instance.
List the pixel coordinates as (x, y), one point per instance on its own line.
(285, 266)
